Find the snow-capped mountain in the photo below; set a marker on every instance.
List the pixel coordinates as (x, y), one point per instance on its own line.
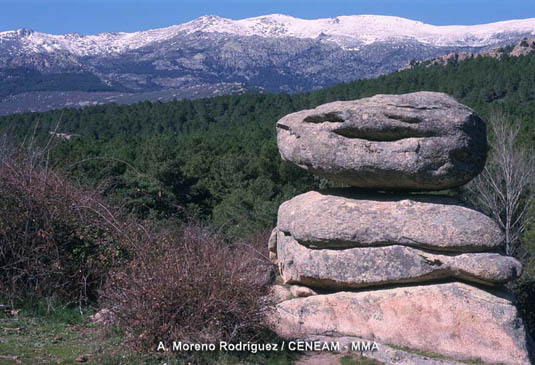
(363, 29)
(275, 52)
(343, 30)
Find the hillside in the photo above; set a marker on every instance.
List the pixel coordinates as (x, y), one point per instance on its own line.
(217, 157)
(273, 53)
(522, 48)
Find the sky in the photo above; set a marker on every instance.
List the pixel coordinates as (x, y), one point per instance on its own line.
(95, 16)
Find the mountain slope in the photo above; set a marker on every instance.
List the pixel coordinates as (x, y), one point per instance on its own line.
(274, 53)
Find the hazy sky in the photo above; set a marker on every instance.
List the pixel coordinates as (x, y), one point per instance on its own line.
(94, 16)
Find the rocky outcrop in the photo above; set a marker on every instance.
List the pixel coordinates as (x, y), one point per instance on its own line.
(374, 266)
(453, 319)
(418, 141)
(384, 245)
(524, 48)
(342, 218)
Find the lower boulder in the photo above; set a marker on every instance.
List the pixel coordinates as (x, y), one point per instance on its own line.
(452, 319)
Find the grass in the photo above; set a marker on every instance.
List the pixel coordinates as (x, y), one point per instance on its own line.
(63, 335)
(433, 355)
(59, 337)
(428, 354)
(350, 360)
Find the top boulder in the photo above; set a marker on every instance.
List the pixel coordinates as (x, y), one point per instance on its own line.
(418, 141)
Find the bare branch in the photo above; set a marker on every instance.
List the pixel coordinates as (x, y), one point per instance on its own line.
(502, 189)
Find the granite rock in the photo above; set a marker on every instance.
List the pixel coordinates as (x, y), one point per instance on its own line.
(452, 319)
(417, 141)
(343, 218)
(374, 266)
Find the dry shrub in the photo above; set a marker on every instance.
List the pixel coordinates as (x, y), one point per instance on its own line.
(56, 240)
(191, 287)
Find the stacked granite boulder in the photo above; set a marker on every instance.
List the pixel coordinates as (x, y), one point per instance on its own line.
(379, 260)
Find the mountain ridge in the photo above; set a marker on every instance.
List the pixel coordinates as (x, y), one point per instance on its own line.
(275, 53)
(359, 29)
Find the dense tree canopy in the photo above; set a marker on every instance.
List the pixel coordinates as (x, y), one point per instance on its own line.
(217, 158)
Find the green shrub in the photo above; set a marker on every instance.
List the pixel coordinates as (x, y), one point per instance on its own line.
(524, 291)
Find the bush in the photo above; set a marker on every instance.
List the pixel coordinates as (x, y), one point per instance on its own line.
(57, 240)
(524, 291)
(191, 287)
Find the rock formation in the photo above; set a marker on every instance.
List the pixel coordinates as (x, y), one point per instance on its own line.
(418, 141)
(453, 319)
(389, 264)
(327, 220)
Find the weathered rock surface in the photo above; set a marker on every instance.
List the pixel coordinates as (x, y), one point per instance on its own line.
(342, 218)
(453, 319)
(300, 291)
(417, 141)
(373, 266)
(383, 353)
(272, 245)
(279, 293)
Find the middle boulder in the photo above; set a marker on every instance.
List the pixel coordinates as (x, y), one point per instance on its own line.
(343, 218)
